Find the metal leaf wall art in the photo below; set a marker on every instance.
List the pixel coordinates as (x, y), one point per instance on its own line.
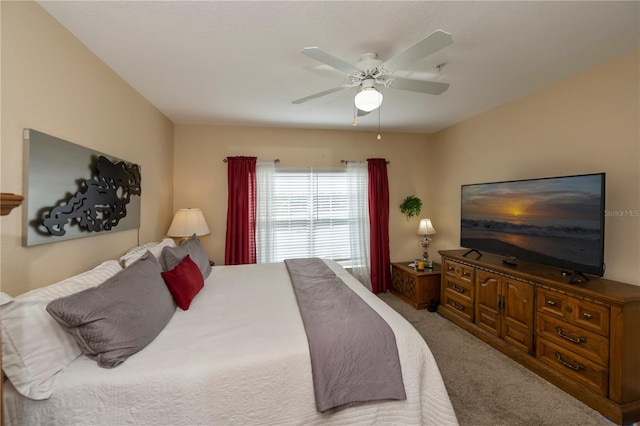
(73, 191)
(101, 202)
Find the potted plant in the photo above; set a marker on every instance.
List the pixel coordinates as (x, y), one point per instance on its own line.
(411, 206)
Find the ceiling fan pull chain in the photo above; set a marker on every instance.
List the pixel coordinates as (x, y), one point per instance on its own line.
(379, 137)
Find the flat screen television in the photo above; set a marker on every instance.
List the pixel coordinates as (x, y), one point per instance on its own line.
(556, 221)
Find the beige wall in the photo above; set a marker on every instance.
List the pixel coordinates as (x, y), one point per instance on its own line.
(53, 83)
(200, 178)
(585, 124)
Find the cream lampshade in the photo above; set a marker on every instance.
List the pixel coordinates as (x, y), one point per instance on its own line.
(187, 222)
(425, 228)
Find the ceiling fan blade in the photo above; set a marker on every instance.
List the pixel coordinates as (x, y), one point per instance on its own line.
(362, 113)
(430, 44)
(319, 94)
(326, 58)
(429, 87)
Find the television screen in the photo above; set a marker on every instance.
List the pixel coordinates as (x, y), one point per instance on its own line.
(556, 221)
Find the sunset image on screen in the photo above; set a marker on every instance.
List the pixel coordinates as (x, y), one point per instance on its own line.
(558, 217)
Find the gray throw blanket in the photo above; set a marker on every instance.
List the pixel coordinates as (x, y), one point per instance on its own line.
(354, 357)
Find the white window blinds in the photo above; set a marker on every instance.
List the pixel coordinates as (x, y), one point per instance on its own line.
(311, 214)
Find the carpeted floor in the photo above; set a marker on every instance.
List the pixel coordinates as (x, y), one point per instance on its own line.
(485, 386)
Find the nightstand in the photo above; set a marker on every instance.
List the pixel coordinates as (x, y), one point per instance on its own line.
(420, 289)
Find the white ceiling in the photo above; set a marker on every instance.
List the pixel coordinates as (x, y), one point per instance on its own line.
(239, 62)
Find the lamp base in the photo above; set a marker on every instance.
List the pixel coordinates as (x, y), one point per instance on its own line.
(425, 254)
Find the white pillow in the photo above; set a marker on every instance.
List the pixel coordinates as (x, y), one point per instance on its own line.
(157, 250)
(137, 252)
(35, 348)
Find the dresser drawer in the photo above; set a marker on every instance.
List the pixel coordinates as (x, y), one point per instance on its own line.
(458, 271)
(578, 368)
(449, 268)
(462, 290)
(460, 306)
(575, 339)
(551, 302)
(591, 316)
(588, 315)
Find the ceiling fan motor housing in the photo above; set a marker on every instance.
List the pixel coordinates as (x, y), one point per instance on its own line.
(370, 69)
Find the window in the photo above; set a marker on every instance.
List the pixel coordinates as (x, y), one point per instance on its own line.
(310, 215)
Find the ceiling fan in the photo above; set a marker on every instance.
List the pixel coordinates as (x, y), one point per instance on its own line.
(371, 71)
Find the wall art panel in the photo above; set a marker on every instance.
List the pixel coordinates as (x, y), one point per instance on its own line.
(74, 192)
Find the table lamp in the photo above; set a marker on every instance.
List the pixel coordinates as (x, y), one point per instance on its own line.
(426, 228)
(187, 222)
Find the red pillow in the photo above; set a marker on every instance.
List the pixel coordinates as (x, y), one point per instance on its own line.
(184, 282)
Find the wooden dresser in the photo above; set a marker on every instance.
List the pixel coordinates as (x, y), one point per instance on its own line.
(584, 338)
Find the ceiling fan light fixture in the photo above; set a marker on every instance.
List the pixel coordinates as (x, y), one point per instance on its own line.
(368, 99)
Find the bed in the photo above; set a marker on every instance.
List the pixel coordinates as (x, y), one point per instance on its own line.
(238, 356)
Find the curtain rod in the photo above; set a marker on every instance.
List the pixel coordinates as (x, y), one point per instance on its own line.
(356, 161)
(277, 160)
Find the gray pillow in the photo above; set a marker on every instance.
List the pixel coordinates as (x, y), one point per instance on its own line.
(119, 317)
(172, 256)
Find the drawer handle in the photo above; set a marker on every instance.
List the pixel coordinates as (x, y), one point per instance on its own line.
(587, 316)
(569, 338)
(450, 268)
(458, 289)
(551, 303)
(465, 274)
(458, 307)
(568, 365)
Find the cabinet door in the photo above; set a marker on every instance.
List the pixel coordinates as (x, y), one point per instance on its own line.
(517, 317)
(487, 308)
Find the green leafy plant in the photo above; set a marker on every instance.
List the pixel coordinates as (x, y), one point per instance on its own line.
(411, 206)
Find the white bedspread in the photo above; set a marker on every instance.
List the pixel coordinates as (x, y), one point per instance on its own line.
(238, 356)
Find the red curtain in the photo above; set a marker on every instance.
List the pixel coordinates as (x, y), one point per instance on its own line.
(379, 224)
(240, 246)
